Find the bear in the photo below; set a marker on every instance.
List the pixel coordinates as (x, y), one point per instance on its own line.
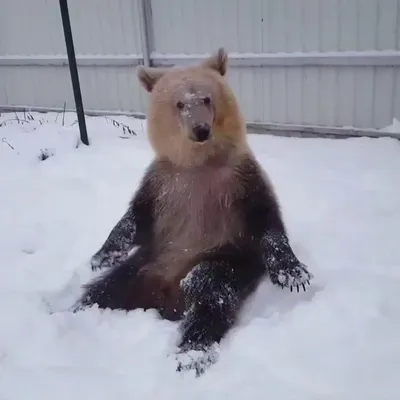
(205, 226)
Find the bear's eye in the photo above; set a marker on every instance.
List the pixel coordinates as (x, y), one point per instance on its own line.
(207, 100)
(180, 105)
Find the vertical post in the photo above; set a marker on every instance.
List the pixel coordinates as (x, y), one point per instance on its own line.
(73, 70)
(146, 30)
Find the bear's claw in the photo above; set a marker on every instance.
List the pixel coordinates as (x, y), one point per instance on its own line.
(197, 360)
(292, 277)
(107, 259)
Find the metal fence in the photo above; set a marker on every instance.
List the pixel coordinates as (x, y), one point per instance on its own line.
(320, 63)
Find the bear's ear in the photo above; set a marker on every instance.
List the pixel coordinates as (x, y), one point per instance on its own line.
(148, 76)
(218, 61)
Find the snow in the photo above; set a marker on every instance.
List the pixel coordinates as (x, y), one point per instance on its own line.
(338, 340)
(393, 128)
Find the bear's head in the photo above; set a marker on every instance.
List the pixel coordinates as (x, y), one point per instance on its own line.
(193, 114)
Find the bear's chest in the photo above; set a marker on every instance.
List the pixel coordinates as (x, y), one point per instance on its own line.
(196, 210)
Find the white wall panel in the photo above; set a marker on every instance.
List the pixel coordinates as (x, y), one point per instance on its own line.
(105, 26)
(30, 27)
(364, 96)
(99, 27)
(192, 26)
(102, 88)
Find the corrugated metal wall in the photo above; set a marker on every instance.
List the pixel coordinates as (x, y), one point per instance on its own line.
(101, 28)
(361, 89)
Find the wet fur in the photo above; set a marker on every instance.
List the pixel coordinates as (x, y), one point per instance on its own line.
(205, 222)
(169, 136)
(197, 209)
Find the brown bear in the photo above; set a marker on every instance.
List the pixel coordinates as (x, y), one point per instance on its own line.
(205, 226)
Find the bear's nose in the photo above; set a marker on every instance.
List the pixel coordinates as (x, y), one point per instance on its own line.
(201, 132)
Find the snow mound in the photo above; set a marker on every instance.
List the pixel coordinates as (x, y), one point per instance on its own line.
(338, 340)
(393, 128)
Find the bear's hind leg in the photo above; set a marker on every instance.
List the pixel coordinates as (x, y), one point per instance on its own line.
(214, 292)
(118, 288)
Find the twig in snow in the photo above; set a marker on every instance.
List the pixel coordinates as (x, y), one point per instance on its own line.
(63, 113)
(45, 154)
(20, 121)
(4, 140)
(125, 128)
(65, 105)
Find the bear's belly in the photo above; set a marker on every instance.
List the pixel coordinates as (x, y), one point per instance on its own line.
(194, 215)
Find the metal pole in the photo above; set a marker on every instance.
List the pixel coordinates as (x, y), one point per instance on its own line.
(145, 31)
(73, 70)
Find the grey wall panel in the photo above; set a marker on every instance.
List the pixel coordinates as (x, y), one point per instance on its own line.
(362, 97)
(99, 27)
(363, 91)
(258, 26)
(112, 89)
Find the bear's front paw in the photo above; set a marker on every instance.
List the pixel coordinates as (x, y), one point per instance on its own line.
(294, 276)
(107, 259)
(197, 360)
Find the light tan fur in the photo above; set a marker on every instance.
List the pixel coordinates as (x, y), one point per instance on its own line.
(195, 183)
(169, 134)
(194, 214)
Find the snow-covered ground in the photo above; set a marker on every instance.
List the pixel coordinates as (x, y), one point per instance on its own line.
(339, 340)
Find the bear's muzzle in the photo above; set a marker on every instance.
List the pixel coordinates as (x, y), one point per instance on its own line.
(201, 132)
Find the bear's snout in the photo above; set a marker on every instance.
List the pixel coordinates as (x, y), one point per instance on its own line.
(201, 132)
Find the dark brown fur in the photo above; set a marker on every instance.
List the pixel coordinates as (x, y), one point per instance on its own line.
(195, 185)
(205, 220)
(195, 209)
